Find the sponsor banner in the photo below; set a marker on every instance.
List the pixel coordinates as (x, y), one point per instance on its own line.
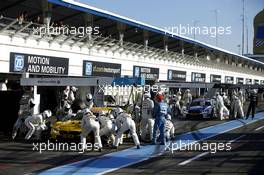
(176, 75)
(229, 80)
(86, 81)
(149, 73)
(248, 81)
(240, 80)
(102, 69)
(198, 77)
(38, 64)
(215, 78)
(256, 81)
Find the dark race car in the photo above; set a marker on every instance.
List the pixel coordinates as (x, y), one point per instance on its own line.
(201, 108)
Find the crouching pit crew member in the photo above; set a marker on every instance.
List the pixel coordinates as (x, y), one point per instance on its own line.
(89, 123)
(37, 122)
(124, 122)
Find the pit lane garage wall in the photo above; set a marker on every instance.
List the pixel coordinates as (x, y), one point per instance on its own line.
(77, 55)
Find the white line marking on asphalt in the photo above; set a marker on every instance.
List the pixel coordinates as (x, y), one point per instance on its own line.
(259, 128)
(231, 141)
(192, 159)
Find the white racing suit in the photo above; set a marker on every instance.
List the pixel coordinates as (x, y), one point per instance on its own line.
(68, 97)
(226, 100)
(108, 127)
(71, 97)
(220, 107)
(242, 99)
(169, 129)
(178, 99)
(89, 123)
(124, 122)
(89, 104)
(35, 123)
(24, 112)
(134, 110)
(147, 121)
(177, 109)
(187, 99)
(237, 107)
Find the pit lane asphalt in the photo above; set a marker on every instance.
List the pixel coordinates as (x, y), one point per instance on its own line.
(17, 157)
(245, 157)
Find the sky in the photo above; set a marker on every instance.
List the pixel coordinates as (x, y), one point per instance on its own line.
(173, 13)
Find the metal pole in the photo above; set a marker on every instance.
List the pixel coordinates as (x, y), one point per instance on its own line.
(216, 38)
(247, 37)
(243, 27)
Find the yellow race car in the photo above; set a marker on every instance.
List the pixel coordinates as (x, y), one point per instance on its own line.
(71, 128)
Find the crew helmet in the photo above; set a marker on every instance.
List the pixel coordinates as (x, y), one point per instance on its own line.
(47, 114)
(168, 117)
(89, 97)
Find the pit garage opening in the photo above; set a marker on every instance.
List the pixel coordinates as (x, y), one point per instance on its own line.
(49, 90)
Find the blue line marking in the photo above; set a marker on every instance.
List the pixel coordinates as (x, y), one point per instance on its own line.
(116, 160)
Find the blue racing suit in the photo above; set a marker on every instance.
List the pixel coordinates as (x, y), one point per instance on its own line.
(159, 112)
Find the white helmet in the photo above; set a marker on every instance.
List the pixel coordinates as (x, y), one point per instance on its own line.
(147, 95)
(67, 88)
(74, 89)
(224, 94)
(89, 97)
(31, 101)
(102, 113)
(187, 90)
(67, 107)
(117, 111)
(110, 116)
(217, 93)
(47, 114)
(179, 93)
(87, 111)
(168, 117)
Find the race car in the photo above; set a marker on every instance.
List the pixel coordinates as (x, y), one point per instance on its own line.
(201, 108)
(70, 128)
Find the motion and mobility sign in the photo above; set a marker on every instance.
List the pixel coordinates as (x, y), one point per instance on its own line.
(229, 80)
(240, 80)
(38, 64)
(176, 75)
(198, 77)
(101, 69)
(149, 73)
(215, 78)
